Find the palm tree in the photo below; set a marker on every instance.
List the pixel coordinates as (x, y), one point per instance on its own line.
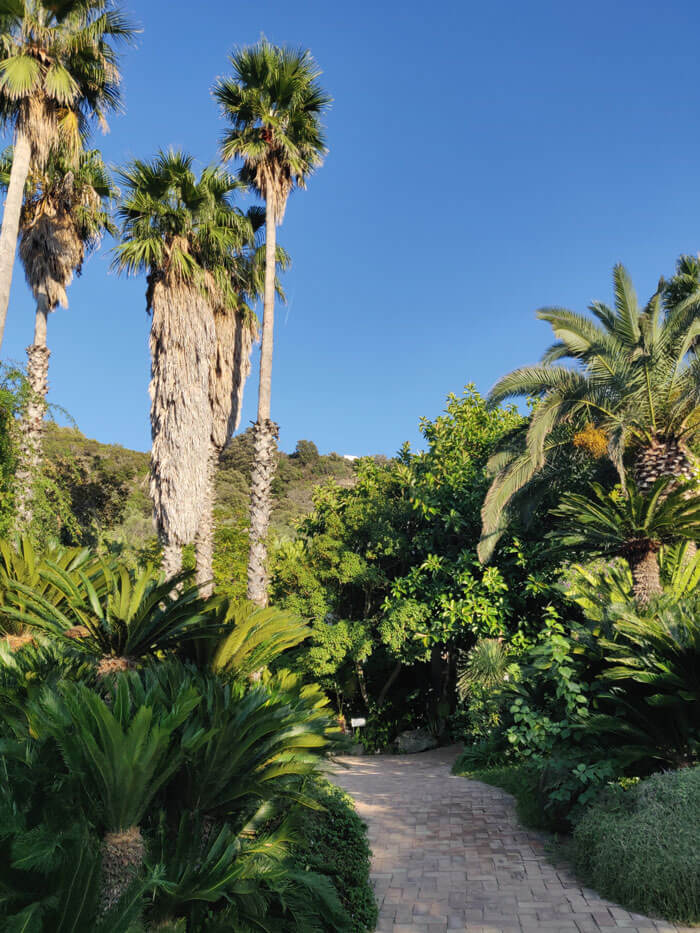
(633, 392)
(274, 104)
(58, 71)
(176, 227)
(64, 216)
(632, 525)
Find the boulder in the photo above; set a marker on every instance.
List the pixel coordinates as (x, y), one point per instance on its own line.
(415, 740)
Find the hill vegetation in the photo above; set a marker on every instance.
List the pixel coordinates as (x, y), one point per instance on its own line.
(106, 486)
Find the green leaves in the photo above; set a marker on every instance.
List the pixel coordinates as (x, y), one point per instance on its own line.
(19, 75)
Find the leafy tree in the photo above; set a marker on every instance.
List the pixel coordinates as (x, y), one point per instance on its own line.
(58, 71)
(274, 104)
(634, 393)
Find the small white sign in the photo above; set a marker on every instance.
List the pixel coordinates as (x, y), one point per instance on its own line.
(356, 723)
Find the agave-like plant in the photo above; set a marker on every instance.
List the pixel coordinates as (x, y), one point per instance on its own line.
(119, 618)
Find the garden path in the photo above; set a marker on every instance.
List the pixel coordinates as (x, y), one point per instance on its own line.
(449, 855)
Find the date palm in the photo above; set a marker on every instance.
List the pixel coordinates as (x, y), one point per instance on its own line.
(64, 216)
(633, 393)
(274, 104)
(632, 525)
(175, 227)
(58, 72)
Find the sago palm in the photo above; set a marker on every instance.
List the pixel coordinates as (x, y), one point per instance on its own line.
(58, 71)
(64, 216)
(632, 525)
(274, 104)
(122, 753)
(116, 618)
(175, 228)
(633, 393)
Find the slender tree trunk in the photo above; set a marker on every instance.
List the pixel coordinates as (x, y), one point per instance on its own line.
(646, 575)
(204, 542)
(32, 427)
(266, 432)
(389, 683)
(10, 221)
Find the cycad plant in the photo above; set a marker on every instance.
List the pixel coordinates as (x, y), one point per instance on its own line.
(632, 395)
(122, 755)
(183, 232)
(118, 618)
(629, 524)
(274, 104)
(58, 71)
(652, 672)
(64, 216)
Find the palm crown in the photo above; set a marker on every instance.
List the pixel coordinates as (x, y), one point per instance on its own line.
(58, 66)
(274, 104)
(634, 386)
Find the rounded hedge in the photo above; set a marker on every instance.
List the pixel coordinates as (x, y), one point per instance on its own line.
(639, 846)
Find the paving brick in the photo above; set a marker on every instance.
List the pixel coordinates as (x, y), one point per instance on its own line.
(450, 857)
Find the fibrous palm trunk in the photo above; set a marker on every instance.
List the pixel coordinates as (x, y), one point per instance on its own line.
(32, 426)
(204, 542)
(666, 457)
(122, 857)
(663, 457)
(266, 431)
(10, 221)
(229, 371)
(646, 574)
(182, 343)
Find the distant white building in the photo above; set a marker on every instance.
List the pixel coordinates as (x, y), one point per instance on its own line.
(350, 457)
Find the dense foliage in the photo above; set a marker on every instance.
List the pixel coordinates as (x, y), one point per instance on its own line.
(150, 781)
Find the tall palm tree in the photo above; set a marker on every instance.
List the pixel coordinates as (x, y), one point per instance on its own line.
(630, 525)
(58, 71)
(175, 227)
(633, 392)
(274, 104)
(64, 216)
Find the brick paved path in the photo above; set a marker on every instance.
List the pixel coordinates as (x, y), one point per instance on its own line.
(449, 855)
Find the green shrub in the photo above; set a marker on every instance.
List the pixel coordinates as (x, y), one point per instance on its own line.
(335, 845)
(639, 846)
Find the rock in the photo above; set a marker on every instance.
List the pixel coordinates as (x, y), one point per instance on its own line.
(415, 740)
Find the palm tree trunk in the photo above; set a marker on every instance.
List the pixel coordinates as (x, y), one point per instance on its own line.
(265, 431)
(172, 559)
(32, 427)
(10, 221)
(204, 542)
(122, 856)
(646, 575)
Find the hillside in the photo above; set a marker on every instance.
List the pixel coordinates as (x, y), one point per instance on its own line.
(107, 484)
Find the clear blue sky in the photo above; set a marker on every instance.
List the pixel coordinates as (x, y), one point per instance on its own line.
(486, 159)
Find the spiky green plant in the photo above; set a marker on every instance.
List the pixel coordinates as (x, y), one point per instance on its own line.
(119, 617)
(274, 104)
(255, 637)
(630, 525)
(486, 665)
(634, 390)
(121, 754)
